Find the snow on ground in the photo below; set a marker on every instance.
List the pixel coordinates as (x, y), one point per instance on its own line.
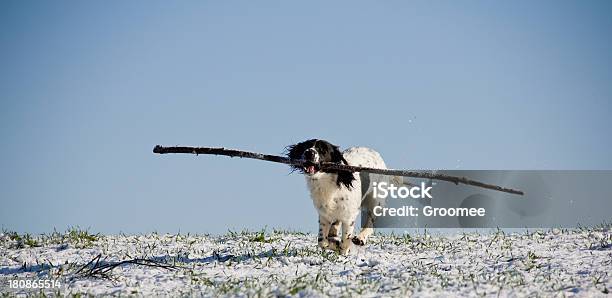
(550, 263)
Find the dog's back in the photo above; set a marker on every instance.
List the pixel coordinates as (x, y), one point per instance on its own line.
(364, 157)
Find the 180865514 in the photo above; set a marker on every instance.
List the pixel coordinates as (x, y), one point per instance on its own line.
(34, 284)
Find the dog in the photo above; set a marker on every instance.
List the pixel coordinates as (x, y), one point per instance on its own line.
(339, 196)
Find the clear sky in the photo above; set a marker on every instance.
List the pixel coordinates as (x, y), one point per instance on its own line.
(88, 88)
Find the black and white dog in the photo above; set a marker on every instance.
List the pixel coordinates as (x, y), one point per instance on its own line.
(338, 196)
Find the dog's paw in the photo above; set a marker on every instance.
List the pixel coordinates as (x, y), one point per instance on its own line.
(345, 247)
(358, 241)
(334, 244)
(323, 243)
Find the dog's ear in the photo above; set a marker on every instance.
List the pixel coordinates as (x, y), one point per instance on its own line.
(336, 155)
(344, 178)
(295, 151)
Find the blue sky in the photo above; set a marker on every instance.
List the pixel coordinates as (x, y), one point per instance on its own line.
(88, 88)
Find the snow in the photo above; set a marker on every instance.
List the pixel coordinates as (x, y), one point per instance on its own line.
(555, 262)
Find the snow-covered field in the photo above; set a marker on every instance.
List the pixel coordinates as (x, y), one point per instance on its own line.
(549, 263)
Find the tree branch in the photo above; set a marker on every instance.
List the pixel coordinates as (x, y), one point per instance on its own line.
(102, 269)
(330, 166)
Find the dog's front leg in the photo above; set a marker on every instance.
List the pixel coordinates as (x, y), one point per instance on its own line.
(324, 226)
(347, 232)
(325, 242)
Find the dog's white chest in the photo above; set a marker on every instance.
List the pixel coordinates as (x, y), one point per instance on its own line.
(332, 202)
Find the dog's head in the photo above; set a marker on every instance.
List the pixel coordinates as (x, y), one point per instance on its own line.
(316, 151)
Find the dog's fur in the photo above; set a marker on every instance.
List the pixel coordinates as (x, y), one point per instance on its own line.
(338, 196)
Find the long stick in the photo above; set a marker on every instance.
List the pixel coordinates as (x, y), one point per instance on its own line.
(330, 166)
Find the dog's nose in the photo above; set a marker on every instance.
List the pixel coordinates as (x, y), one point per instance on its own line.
(309, 154)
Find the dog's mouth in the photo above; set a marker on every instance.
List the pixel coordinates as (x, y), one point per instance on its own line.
(311, 168)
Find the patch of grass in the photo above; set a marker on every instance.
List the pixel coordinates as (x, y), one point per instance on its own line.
(261, 237)
(29, 241)
(12, 235)
(21, 241)
(81, 238)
